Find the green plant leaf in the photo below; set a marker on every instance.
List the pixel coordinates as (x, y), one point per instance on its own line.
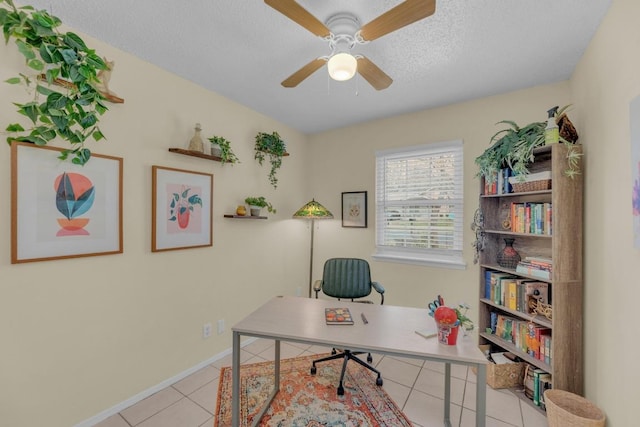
(69, 56)
(97, 135)
(88, 121)
(13, 80)
(14, 127)
(74, 41)
(30, 110)
(44, 90)
(36, 64)
(25, 49)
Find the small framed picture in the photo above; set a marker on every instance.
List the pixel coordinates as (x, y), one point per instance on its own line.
(181, 209)
(354, 209)
(62, 210)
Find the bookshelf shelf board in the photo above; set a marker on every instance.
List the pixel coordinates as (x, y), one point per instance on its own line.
(511, 271)
(534, 318)
(195, 154)
(515, 350)
(245, 217)
(517, 194)
(519, 235)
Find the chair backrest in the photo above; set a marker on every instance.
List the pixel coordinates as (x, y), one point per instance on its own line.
(346, 278)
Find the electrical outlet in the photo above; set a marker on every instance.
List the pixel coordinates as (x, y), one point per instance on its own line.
(206, 330)
(220, 326)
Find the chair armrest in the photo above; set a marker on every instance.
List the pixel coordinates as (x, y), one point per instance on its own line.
(317, 285)
(380, 289)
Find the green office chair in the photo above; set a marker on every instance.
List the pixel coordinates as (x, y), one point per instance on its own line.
(348, 278)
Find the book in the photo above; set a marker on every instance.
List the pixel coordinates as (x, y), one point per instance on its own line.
(427, 332)
(338, 316)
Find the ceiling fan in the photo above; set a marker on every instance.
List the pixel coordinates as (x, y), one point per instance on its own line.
(343, 31)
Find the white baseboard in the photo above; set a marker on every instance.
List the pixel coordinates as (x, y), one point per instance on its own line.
(156, 388)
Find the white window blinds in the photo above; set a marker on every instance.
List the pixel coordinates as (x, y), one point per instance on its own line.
(419, 204)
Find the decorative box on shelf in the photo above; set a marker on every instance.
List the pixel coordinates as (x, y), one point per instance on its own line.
(532, 182)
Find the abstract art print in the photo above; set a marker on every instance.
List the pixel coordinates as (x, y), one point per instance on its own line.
(62, 210)
(634, 119)
(181, 209)
(354, 209)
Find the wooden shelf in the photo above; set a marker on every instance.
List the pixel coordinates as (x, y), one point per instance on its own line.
(195, 154)
(245, 217)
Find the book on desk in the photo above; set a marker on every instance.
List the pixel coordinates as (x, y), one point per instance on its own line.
(338, 316)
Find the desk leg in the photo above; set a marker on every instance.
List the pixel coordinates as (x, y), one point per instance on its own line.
(447, 394)
(276, 387)
(481, 395)
(235, 381)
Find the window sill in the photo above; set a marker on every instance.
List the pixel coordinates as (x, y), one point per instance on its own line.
(453, 264)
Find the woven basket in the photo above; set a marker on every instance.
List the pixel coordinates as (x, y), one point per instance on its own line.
(521, 187)
(566, 409)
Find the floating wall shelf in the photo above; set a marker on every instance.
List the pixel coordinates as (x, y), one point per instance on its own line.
(195, 154)
(245, 217)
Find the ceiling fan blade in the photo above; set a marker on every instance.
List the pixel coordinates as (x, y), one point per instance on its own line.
(400, 16)
(294, 79)
(374, 75)
(292, 10)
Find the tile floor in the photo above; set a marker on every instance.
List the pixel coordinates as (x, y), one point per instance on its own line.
(416, 386)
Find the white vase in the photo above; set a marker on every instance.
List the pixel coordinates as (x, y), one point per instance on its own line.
(255, 210)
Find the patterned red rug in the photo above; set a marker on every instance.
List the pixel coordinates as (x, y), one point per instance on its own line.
(307, 400)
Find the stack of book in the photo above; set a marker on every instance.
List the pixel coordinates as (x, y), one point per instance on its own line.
(536, 382)
(539, 267)
(514, 292)
(528, 337)
(531, 218)
(498, 183)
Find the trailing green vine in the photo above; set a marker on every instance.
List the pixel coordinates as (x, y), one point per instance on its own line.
(273, 146)
(64, 74)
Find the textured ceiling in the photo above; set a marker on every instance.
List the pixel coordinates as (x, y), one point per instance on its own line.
(243, 49)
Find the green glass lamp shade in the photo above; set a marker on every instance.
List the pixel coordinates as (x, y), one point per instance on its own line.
(313, 210)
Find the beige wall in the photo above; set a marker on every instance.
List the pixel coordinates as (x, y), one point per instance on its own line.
(604, 83)
(82, 335)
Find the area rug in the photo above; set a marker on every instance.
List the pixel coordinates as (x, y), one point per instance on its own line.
(306, 400)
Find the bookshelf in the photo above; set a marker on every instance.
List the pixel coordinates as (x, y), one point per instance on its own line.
(563, 245)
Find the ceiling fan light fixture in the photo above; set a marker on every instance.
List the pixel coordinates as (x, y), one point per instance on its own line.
(342, 66)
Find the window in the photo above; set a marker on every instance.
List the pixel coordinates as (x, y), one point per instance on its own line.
(419, 201)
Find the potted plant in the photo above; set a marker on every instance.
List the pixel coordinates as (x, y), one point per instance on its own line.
(221, 147)
(513, 147)
(64, 82)
(257, 203)
(273, 146)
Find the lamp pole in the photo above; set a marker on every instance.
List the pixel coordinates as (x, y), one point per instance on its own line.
(311, 259)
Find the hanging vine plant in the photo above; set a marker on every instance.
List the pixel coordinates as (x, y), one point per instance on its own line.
(63, 77)
(272, 146)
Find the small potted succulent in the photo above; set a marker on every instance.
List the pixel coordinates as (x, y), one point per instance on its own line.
(257, 203)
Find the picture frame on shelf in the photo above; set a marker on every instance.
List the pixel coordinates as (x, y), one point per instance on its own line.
(354, 209)
(182, 206)
(63, 210)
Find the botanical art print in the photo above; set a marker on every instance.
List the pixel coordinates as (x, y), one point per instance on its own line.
(182, 205)
(64, 210)
(354, 209)
(634, 118)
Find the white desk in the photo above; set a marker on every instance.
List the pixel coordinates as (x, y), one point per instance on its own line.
(390, 331)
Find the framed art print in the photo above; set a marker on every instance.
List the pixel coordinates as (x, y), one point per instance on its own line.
(62, 210)
(182, 205)
(634, 119)
(354, 209)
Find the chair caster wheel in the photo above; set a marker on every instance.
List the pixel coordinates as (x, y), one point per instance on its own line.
(379, 381)
(369, 359)
(333, 351)
(340, 391)
(313, 370)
